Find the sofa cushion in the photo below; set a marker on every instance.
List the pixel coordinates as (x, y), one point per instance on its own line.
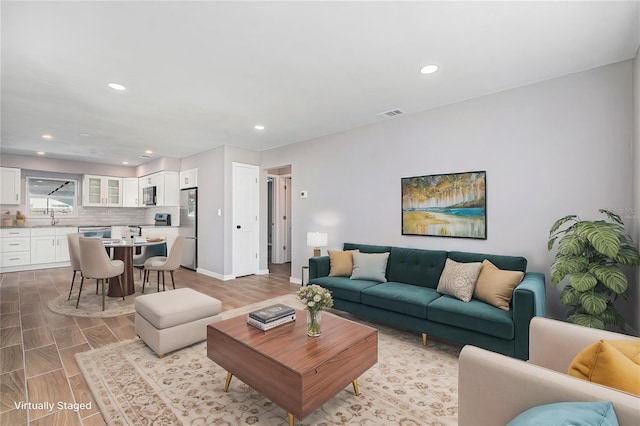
(613, 363)
(366, 248)
(404, 298)
(341, 263)
(511, 263)
(416, 266)
(370, 266)
(495, 286)
(474, 315)
(599, 413)
(343, 287)
(459, 279)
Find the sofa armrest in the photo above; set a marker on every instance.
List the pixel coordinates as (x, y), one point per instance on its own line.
(554, 343)
(319, 267)
(529, 300)
(493, 389)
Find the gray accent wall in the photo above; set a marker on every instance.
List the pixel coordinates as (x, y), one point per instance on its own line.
(552, 148)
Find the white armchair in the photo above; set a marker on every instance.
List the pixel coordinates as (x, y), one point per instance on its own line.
(493, 389)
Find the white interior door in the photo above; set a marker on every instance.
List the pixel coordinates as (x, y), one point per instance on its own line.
(245, 219)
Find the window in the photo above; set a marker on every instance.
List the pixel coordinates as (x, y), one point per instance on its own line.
(50, 195)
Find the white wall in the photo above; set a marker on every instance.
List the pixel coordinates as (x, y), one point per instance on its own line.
(214, 192)
(550, 149)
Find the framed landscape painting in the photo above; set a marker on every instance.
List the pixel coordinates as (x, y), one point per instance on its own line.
(446, 205)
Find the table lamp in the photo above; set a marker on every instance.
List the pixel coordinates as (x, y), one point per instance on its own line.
(317, 240)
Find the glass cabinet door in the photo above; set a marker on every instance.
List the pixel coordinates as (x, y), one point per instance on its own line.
(95, 190)
(113, 191)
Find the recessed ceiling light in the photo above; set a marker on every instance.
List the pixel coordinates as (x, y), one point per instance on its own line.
(46, 136)
(125, 162)
(429, 69)
(40, 153)
(148, 151)
(116, 86)
(259, 127)
(85, 135)
(144, 156)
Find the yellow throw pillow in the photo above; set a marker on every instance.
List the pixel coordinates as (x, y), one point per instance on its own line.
(495, 286)
(613, 363)
(341, 263)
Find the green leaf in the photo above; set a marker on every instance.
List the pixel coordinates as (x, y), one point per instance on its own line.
(550, 243)
(593, 303)
(611, 277)
(612, 216)
(569, 296)
(586, 320)
(611, 316)
(628, 255)
(572, 244)
(583, 281)
(560, 222)
(564, 265)
(602, 236)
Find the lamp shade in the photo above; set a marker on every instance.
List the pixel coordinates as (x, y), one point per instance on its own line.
(317, 239)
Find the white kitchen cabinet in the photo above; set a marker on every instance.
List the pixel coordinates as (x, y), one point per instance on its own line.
(189, 178)
(16, 247)
(10, 185)
(49, 245)
(101, 191)
(167, 185)
(130, 192)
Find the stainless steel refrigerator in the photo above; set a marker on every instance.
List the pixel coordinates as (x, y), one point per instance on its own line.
(189, 227)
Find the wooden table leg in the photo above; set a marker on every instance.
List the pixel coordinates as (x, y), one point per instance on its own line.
(124, 253)
(228, 381)
(290, 419)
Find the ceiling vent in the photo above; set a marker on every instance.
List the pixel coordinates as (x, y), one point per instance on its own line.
(391, 113)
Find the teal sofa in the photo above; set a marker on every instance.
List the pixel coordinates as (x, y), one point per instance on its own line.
(409, 300)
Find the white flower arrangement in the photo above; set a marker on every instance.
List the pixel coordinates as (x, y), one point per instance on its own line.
(315, 297)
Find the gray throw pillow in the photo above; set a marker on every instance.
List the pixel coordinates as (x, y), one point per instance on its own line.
(459, 279)
(370, 266)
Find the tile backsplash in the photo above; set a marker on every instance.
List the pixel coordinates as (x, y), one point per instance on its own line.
(102, 216)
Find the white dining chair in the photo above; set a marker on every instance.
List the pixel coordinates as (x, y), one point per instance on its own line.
(95, 264)
(162, 263)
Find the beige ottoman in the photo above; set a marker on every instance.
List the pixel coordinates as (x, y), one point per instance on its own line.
(174, 319)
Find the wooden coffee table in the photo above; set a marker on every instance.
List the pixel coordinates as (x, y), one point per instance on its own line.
(296, 372)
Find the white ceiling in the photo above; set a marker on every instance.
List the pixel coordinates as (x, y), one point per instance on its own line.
(202, 74)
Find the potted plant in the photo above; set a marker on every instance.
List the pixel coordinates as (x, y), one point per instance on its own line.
(590, 254)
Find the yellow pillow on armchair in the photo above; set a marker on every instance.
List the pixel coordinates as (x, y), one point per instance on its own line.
(613, 363)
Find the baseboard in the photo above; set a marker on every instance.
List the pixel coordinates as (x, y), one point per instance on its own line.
(294, 280)
(32, 267)
(215, 275)
(262, 272)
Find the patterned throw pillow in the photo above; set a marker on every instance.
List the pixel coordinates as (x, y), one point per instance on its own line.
(459, 279)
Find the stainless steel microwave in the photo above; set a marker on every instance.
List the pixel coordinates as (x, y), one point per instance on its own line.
(149, 196)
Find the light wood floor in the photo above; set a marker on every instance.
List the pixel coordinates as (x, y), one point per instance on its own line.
(37, 346)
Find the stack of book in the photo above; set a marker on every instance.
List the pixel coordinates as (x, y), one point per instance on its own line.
(271, 316)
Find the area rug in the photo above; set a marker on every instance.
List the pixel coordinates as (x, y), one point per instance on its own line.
(91, 303)
(410, 385)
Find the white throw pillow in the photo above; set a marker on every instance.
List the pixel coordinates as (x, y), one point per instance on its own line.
(459, 279)
(370, 266)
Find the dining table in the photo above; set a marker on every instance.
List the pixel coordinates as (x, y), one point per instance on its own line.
(123, 249)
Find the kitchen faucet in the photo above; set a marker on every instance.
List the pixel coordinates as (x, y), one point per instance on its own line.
(53, 217)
